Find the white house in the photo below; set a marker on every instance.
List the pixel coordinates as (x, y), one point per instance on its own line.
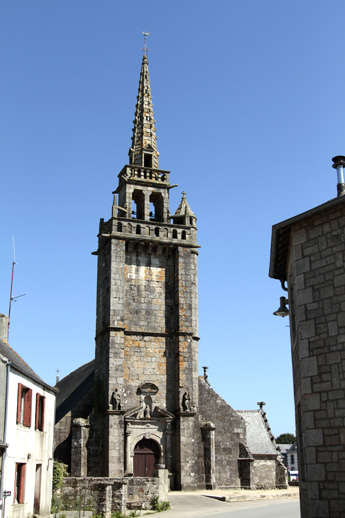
(27, 409)
(292, 458)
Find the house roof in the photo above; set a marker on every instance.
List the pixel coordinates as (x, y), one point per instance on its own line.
(73, 387)
(293, 448)
(258, 437)
(281, 237)
(284, 447)
(20, 365)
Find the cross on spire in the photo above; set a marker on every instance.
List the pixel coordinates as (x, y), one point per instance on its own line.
(144, 48)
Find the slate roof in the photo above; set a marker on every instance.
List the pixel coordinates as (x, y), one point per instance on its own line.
(258, 437)
(73, 387)
(284, 447)
(20, 365)
(281, 237)
(293, 448)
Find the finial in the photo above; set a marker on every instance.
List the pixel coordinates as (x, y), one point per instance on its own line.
(261, 404)
(144, 48)
(183, 193)
(205, 375)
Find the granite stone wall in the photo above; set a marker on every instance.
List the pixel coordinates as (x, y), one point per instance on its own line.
(104, 495)
(230, 432)
(264, 473)
(317, 325)
(63, 428)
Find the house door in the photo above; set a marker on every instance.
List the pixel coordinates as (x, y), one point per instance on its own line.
(37, 494)
(146, 455)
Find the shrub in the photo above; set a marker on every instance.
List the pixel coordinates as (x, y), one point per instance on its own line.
(159, 505)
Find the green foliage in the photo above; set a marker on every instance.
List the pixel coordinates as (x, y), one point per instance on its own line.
(118, 514)
(286, 438)
(59, 472)
(158, 505)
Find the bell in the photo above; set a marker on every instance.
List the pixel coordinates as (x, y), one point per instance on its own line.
(282, 311)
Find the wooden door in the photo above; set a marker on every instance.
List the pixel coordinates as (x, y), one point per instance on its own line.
(146, 456)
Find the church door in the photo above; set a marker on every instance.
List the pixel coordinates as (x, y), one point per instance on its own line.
(146, 455)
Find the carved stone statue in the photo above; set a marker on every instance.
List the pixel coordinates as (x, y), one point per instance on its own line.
(147, 412)
(186, 405)
(116, 400)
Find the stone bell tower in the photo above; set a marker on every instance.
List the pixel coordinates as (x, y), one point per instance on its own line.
(146, 376)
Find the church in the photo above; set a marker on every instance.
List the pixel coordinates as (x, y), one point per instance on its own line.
(140, 406)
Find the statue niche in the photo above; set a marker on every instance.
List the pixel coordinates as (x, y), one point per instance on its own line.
(115, 400)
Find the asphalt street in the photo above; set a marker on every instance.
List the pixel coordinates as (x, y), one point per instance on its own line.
(189, 506)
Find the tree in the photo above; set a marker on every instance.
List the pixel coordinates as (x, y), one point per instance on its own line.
(286, 438)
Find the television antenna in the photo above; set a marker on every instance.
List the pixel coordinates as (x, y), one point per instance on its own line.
(12, 298)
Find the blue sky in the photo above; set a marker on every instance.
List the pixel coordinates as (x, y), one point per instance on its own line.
(249, 102)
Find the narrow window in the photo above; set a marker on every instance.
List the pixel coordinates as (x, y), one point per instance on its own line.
(19, 483)
(24, 404)
(40, 408)
(138, 229)
(175, 234)
(184, 235)
(119, 226)
(147, 160)
(157, 231)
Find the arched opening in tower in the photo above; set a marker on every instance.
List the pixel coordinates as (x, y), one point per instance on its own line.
(156, 207)
(138, 201)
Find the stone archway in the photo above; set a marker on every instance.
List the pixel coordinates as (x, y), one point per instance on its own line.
(146, 456)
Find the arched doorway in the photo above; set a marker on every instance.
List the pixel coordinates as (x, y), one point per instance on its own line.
(146, 455)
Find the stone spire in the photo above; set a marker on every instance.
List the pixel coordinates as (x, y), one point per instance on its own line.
(144, 141)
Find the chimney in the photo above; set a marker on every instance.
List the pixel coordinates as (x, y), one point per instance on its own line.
(3, 327)
(338, 164)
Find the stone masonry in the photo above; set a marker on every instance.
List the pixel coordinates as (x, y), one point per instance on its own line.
(308, 252)
(143, 411)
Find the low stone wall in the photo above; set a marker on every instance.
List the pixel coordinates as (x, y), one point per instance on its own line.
(264, 473)
(140, 492)
(101, 495)
(105, 495)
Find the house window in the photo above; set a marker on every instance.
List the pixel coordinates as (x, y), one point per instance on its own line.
(19, 483)
(24, 404)
(292, 460)
(40, 407)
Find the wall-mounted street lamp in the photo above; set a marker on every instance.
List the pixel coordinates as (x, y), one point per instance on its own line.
(282, 311)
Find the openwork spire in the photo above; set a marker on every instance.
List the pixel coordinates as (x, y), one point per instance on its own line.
(144, 141)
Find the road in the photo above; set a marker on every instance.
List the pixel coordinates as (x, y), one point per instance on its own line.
(188, 506)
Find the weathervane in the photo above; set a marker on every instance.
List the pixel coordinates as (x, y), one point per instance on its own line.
(145, 49)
